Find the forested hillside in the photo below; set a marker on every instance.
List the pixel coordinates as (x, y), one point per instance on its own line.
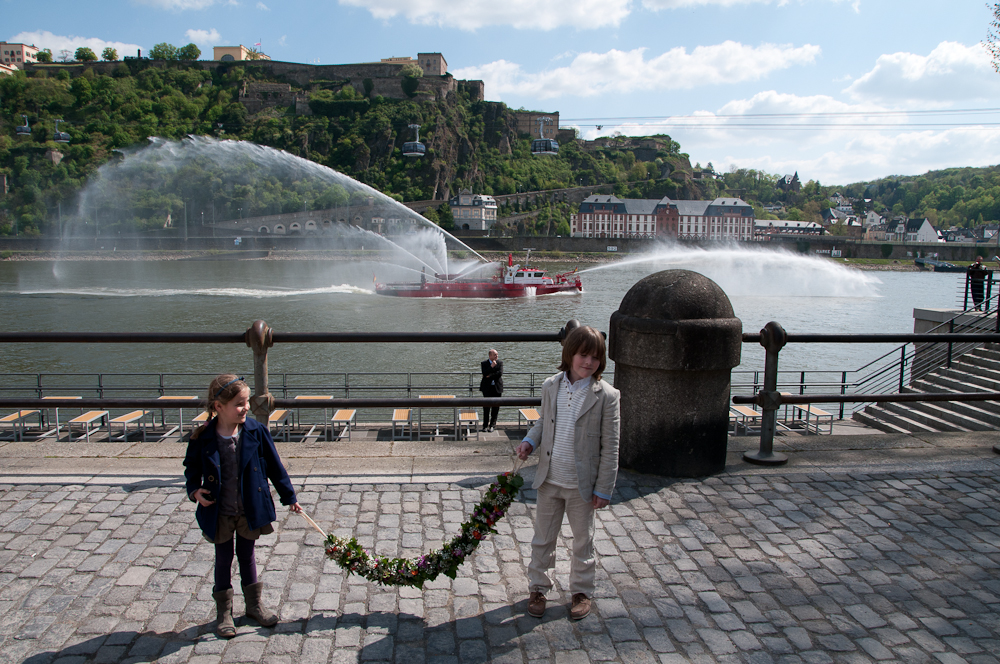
(471, 144)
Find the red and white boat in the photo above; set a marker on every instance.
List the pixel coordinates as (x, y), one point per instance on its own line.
(511, 280)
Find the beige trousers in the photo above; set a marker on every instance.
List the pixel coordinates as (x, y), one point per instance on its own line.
(551, 504)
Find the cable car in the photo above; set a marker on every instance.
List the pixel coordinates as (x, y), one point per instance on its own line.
(414, 148)
(24, 130)
(60, 136)
(541, 146)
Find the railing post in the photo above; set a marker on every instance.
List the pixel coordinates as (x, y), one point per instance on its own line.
(951, 328)
(843, 390)
(260, 337)
(902, 366)
(772, 338)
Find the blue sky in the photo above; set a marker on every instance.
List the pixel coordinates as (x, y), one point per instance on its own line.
(838, 90)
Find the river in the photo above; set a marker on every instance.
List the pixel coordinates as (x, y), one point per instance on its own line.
(803, 294)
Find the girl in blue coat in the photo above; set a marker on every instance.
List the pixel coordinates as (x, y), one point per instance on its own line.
(228, 463)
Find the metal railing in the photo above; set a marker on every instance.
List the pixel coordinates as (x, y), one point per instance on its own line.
(260, 337)
(773, 338)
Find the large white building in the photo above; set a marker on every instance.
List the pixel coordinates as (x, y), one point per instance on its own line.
(724, 219)
(15, 55)
(476, 212)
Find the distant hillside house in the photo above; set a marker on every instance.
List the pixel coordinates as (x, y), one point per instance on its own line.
(920, 230)
(764, 228)
(612, 217)
(475, 212)
(16, 55)
(790, 182)
(234, 53)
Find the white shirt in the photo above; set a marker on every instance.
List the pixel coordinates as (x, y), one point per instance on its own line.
(569, 400)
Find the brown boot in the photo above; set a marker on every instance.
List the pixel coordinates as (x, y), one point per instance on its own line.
(536, 604)
(224, 627)
(580, 608)
(255, 607)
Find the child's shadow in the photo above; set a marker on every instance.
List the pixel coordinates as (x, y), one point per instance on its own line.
(387, 636)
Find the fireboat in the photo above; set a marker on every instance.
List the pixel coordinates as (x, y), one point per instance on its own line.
(511, 280)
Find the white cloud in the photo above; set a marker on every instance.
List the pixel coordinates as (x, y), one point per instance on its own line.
(657, 5)
(283, 41)
(204, 37)
(623, 72)
(57, 43)
(854, 142)
(950, 73)
(177, 5)
(522, 14)
(264, 8)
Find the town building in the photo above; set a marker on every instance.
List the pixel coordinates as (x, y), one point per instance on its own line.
(765, 228)
(790, 182)
(432, 64)
(612, 217)
(16, 55)
(475, 212)
(232, 53)
(910, 230)
(7, 70)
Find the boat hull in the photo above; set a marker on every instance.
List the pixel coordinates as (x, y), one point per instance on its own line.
(472, 289)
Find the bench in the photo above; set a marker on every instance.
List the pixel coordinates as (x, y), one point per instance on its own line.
(282, 420)
(530, 416)
(86, 421)
(746, 418)
(17, 422)
(815, 418)
(313, 425)
(137, 416)
(469, 420)
(343, 418)
(403, 417)
(48, 423)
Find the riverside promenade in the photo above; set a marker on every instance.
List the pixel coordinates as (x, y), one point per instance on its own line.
(863, 548)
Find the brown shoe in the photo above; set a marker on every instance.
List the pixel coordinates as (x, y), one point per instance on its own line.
(536, 604)
(580, 608)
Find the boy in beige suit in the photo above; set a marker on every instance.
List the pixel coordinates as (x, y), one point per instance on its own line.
(577, 442)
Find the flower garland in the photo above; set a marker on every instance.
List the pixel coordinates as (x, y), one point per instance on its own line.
(414, 572)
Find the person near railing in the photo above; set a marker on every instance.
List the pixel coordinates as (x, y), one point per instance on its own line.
(491, 386)
(976, 275)
(228, 463)
(577, 442)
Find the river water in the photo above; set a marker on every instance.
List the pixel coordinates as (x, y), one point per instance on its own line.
(803, 294)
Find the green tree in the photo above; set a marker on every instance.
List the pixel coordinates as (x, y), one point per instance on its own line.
(411, 74)
(163, 51)
(44, 55)
(109, 54)
(992, 42)
(189, 52)
(85, 54)
(446, 217)
(562, 228)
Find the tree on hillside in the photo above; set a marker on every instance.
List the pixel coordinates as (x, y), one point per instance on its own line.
(85, 54)
(163, 51)
(411, 74)
(44, 55)
(992, 42)
(109, 54)
(189, 52)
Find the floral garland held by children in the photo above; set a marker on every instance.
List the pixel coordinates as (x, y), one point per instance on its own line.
(415, 571)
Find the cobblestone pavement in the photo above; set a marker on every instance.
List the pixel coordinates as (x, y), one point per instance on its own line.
(785, 565)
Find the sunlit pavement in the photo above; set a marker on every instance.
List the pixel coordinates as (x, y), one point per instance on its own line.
(862, 548)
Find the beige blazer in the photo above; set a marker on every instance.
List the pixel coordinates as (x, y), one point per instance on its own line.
(595, 442)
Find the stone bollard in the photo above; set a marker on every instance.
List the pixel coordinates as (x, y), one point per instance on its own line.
(674, 340)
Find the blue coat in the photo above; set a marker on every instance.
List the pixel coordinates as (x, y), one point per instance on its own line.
(260, 462)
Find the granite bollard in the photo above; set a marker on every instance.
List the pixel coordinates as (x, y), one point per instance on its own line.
(675, 341)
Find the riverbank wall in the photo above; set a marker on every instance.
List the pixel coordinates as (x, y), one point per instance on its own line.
(824, 246)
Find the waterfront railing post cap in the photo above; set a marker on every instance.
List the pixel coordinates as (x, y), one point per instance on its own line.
(259, 336)
(675, 341)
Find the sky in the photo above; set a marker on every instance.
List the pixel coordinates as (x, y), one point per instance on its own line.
(839, 91)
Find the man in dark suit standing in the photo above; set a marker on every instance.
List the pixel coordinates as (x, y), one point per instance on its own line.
(491, 386)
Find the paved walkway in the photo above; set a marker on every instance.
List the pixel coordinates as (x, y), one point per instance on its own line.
(863, 548)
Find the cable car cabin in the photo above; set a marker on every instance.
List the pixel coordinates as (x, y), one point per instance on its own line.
(541, 146)
(24, 130)
(414, 149)
(60, 136)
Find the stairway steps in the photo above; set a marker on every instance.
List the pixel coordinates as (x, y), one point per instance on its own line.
(876, 423)
(986, 362)
(928, 386)
(954, 384)
(973, 410)
(977, 370)
(906, 423)
(928, 419)
(983, 383)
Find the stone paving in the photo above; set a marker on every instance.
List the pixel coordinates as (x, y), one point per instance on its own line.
(857, 563)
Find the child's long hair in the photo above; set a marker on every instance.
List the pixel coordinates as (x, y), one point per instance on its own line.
(585, 340)
(223, 389)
